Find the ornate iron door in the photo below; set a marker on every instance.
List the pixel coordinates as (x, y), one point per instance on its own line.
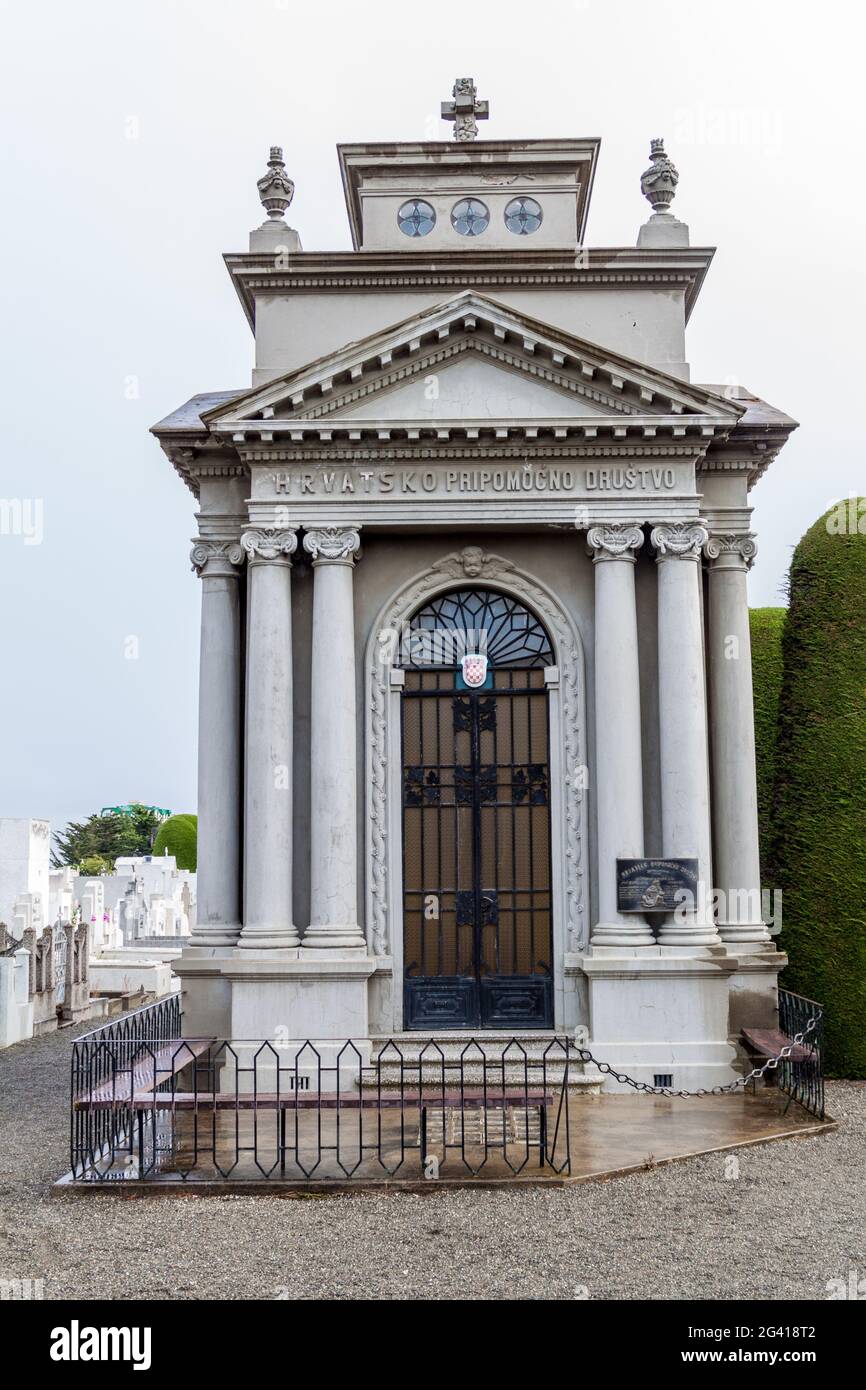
(476, 852)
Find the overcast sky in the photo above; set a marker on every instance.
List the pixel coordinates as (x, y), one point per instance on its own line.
(134, 133)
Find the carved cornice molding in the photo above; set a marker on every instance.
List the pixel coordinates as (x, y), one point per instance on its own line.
(679, 540)
(216, 557)
(614, 541)
(270, 544)
(333, 545)
(728, 551)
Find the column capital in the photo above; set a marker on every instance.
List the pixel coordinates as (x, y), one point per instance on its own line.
(216, 557)
(679, 540)
(731, 552)
(333, 545)
(270, 544)
(614, 541)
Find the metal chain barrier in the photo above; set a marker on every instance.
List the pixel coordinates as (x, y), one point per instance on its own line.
(770, 1065)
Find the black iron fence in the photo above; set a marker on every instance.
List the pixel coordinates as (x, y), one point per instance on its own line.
(147, 1104)
(801, 1075)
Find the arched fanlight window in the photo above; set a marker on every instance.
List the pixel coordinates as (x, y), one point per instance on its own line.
(475, 620)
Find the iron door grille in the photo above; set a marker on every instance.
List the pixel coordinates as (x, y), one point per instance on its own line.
(476, 852)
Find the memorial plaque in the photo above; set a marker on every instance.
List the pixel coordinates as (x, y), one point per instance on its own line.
(655, 885)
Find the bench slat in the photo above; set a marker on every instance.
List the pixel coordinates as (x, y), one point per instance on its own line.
(314, 1100)
(769, 1043)
(151, 1069)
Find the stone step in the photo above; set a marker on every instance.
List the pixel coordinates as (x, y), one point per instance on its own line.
(452, 1045)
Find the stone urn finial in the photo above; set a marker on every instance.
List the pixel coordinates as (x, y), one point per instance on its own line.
(276, 189)
(659, 182)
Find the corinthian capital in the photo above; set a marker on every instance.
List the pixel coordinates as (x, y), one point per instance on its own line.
(269, 543)
(731, 552)
(209, 557)
(679, 540)
(614, 541)
(333, 544)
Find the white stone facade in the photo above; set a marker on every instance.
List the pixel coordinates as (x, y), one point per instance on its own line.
(506, 415)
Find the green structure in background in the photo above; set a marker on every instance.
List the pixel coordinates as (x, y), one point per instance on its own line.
(818, 852)
(767, 626)
(178, 836)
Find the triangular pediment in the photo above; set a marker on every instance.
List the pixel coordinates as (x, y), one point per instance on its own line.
(471, 386)
(473, 360)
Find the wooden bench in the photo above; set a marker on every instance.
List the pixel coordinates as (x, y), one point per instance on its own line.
(768, 1042)
(145, 1099)
(153, 1065)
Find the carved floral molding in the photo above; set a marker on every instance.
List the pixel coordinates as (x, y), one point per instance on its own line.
(269, 543)
(743, 548)
(614, 541)
(679, 540)
(332, 544)
(210, 556)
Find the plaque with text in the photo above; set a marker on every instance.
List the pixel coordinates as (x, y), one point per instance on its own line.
(655, 885)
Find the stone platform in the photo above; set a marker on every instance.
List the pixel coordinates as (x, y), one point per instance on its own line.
(609, 1135)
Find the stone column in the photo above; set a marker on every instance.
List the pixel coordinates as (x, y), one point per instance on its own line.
(618, 775)
(732, 740)
(268, 782)
(219, 744)
(683, 751)
(333, 754)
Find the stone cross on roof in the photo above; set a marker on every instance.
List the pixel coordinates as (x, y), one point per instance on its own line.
(465, 110)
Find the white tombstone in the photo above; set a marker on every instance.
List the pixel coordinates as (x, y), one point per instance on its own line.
(24, 867)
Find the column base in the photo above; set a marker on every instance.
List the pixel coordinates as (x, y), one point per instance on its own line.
(688, 934)
(269, 938)
(737, 932)
(622, 934)
(324, 937)
(221, 935)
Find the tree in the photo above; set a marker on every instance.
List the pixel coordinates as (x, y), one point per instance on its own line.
(178, 836)
(110, 837)
(819, 840)
(94, 865)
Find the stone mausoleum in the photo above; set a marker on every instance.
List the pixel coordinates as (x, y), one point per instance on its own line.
(476, 748)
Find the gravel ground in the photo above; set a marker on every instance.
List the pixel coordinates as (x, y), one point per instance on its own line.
(793, 1220)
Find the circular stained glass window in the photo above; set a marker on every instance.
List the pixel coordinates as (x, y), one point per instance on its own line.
(469, 217)
(416, 218)
(523, 216)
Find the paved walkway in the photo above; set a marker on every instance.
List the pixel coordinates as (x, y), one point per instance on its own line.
(779, 1223)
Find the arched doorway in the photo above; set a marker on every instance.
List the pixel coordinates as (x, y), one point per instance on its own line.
(475, 755)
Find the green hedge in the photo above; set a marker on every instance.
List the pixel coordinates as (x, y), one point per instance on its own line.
(178, 836)
(819, 847)
(767, 626)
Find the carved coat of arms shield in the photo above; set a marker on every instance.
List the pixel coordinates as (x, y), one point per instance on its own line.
(474, 667)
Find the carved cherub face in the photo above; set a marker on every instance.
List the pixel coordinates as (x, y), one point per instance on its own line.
(473, 561)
